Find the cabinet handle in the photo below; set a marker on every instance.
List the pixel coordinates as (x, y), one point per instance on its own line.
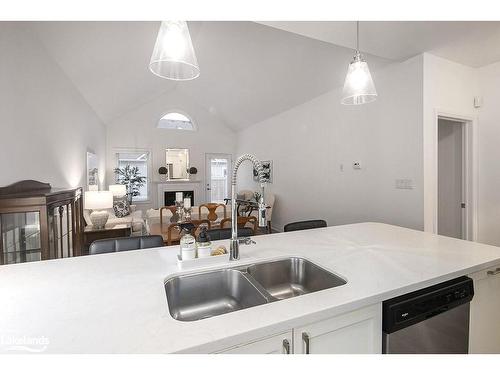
(491, 273)
(305, 338)
(286, 346)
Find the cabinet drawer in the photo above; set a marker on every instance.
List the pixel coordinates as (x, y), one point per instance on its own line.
(276, 344)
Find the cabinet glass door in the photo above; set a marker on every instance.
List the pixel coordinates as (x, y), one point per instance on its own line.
(20, 237)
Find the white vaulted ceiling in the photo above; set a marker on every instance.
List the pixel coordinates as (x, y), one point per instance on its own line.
(249, 71)
(473, 43)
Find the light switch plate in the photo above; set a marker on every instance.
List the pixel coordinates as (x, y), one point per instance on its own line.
(404, 183)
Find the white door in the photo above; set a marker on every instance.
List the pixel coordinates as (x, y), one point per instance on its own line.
(277, 344)
(217, 177)
(357, 332)
(484, 328)
(451, 202)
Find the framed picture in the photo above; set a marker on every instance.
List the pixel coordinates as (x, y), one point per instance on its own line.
(92, 169)
(268, 171)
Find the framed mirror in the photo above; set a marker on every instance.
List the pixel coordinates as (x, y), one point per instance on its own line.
(92, 170)
(177, 163)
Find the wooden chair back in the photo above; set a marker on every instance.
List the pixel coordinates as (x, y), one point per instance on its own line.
(172, 209)
(174, 230)
(242, 222)
(212, 207)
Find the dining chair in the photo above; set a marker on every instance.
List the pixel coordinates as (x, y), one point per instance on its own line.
(174, 230)
(212, 208)
(112, 245)
(225, 234)
(302, 225)
(173, 217)
(242, 222)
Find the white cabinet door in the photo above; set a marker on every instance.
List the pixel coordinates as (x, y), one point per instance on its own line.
(277, 344)
(357, 332)
(484, 331)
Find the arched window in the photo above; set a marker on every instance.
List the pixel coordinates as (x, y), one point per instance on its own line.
(176, 121)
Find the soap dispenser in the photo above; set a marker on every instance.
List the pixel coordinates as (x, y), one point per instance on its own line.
(203, 244)
(187, 248)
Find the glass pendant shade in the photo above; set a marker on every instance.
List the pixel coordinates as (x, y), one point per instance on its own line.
(173, 55)
(358, 85)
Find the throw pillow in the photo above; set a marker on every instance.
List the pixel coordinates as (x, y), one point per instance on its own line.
(121, 208)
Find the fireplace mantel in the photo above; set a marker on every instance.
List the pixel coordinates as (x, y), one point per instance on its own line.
(182, 185)
(177, 182)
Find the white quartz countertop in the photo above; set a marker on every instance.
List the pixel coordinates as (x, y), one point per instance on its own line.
(116, 303)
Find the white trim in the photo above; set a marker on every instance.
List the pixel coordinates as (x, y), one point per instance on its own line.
(465, 179)
(163, 187)
(470, 169)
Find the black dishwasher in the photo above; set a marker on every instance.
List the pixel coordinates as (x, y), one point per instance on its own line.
(433, 320)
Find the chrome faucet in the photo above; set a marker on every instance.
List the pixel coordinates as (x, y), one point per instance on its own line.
(234, 253)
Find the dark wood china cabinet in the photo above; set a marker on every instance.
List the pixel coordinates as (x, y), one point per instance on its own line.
(38, 222)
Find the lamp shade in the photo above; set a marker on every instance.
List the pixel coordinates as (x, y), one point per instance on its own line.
(98, 200)
(173, 55)
(358, 86)
(118, 190)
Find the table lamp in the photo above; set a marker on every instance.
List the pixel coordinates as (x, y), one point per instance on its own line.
(118, 190)
(98, 202)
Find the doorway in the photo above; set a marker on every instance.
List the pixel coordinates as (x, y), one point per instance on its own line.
(452, 178)
(217, 177)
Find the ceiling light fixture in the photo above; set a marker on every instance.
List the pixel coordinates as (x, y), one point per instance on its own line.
(358, 85)
(173, 55)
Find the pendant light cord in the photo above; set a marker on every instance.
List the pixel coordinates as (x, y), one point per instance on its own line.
(357, 35)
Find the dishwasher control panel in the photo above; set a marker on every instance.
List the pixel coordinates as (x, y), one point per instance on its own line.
(402, 311)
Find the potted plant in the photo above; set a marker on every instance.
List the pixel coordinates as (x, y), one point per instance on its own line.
(130, 177)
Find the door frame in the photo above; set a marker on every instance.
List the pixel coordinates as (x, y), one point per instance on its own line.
(469, 175)
(222, 155)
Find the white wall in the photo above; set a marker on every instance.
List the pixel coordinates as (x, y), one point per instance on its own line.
(309, 143)
(46, 125)
(489, 156)
(449, 88)
(137, 130)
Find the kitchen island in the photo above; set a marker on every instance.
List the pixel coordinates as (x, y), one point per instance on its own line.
(116, 303)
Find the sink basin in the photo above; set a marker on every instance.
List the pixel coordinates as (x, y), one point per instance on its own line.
(203, 295)
(293, 277)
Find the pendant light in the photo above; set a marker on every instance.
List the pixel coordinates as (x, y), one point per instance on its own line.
(173, 55)
(358, 85)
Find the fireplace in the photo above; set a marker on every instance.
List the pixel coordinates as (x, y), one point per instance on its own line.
(169, 197)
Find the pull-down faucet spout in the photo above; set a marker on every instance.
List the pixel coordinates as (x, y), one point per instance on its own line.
(234, 253)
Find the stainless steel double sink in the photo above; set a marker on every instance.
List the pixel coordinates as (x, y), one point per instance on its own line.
(202, 295)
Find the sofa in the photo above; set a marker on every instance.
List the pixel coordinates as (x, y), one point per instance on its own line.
(135, 218)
